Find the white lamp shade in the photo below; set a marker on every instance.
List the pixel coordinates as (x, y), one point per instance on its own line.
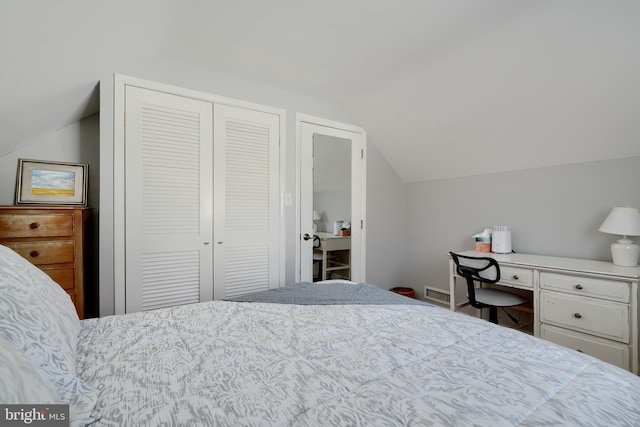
(622, 220)
(316, 216)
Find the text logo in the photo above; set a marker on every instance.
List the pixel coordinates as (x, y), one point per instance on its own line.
(34, 415)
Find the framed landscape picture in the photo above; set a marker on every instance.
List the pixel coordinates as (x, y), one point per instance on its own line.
(51, 183)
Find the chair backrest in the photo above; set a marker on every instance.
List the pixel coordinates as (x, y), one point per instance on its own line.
(483, 269)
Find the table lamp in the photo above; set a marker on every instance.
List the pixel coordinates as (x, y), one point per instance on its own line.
(624, 221)
(316, 217)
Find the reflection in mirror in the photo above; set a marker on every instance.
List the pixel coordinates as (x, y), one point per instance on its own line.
(331, 181)
(332, 207)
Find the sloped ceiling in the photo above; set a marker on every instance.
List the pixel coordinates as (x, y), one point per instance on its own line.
(444, 88)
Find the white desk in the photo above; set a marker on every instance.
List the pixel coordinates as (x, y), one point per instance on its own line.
(590, 306)
(336, 256)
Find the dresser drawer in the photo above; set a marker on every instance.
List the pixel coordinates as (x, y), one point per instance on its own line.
(54, 239)
(595, 317)
(613, 352)
(42, 253)
(336, 244)
(17, 226)
(64, 277)
(598, 288)
(518, 277)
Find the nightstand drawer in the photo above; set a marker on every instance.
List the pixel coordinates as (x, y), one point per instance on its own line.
(595, 317)
(587, 286)
(609, 351)
(41, 253)
(64, 277)
(17, 226)
(518, 277)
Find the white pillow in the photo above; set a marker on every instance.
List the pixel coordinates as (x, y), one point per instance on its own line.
(39, 319)
(20, 381)
(346, 282)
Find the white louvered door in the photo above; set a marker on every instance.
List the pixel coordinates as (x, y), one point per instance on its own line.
(168, 215)
(246, 191)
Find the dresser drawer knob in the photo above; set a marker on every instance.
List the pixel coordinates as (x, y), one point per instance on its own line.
(34, 254)
(515, 277)
(579, 287)
(577, 315)
(34, 225)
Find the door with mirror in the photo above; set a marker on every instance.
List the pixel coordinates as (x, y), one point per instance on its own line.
(331, 203)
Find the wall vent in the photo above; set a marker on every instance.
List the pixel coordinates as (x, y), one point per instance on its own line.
(437, 296)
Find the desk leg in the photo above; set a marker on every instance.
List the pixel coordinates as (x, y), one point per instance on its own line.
(452, 287)
(324, 264)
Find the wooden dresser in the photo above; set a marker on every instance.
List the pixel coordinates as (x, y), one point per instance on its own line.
(53, 238)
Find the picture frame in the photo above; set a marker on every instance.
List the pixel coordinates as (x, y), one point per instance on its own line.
(51, 183)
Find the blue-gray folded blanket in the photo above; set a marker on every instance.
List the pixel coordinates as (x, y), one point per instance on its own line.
(305, 293)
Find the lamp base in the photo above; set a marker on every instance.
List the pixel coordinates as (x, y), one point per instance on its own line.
(625, 253)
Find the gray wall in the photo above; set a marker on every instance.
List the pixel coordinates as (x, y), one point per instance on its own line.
(80, 142)
(410, 228)
(76, 143)
(553, 211)
(386, 245)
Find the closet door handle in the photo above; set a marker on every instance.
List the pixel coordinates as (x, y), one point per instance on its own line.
(306, 236)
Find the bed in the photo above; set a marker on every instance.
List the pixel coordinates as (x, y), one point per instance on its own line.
(305, 355)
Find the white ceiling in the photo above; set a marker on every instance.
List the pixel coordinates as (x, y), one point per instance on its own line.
(444, 88)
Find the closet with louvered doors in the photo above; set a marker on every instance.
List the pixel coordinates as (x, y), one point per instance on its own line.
(201, 209)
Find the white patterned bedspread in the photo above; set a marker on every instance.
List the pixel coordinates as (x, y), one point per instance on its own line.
(227, 363)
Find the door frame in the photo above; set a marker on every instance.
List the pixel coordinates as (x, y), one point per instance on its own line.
(112, 182)
(330, 125)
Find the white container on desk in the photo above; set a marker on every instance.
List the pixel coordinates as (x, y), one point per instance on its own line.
(501, 239)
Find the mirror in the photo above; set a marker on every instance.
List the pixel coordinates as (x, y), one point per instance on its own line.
(332, 207)
(331, 181)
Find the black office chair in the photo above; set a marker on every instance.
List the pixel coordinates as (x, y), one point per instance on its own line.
(486, 270)
(317, 258)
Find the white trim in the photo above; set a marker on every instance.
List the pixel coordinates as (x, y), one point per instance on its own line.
(307, 118)
(363, 171)
(105, 229)
(328, 125)
(283, 183)
(195, 94)
(297, 237)
(112, 182)
(119, 261)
